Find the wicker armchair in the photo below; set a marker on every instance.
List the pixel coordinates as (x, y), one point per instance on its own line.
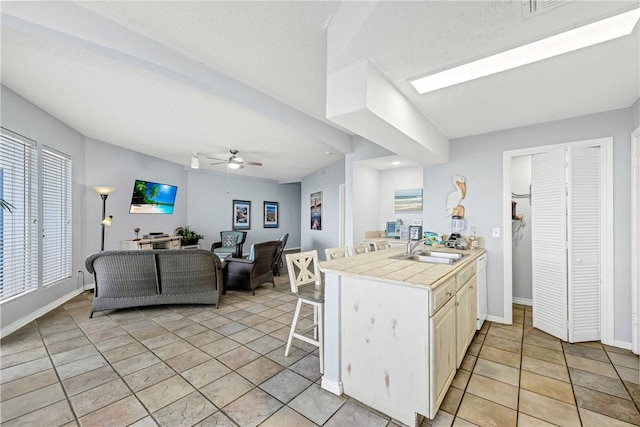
(252, 272)
(230, 244)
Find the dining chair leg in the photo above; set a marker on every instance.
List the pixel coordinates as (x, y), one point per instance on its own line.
(293, 327)
(320, 338)
(315, 322)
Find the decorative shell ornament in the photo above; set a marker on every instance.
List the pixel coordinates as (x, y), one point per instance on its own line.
(455, 197)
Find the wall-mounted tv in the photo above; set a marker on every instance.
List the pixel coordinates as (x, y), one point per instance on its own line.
(152, 197)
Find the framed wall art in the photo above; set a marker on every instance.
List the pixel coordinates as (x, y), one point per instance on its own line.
(408, 200)
(316, 210)
(270, 212)
(241, 215)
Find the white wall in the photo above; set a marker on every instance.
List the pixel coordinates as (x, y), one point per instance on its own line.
(398, 179)
(521, 239)
(20, 116)
(211, 196)
(366, 201)
(329, 185)
(113, 166)
(479, 159)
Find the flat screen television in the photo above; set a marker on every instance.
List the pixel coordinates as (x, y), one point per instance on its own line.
(152, 197)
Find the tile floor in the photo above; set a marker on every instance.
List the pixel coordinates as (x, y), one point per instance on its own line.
(194, 365)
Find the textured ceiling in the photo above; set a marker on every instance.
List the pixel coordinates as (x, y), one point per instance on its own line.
(279, 48)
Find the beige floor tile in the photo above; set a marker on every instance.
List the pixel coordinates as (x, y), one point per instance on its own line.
(628, 374)
(543, 354)
(187, 411)
(590, 365)
(546, 386)
(511, 334)
(238, 357)
(188, 360)
(610, 349)
(99, 397)
(495, 391)
(121, 413)
(253, 408)
(497, 371)
(612, 386)
(603, 403)
(148, 376)
(135, 363)
(485, 413)
(205, 373)
(452, 400)
(226, 389)
(203, 338)
(590, 418)
(461, 379)
(27, 384)
(287, 417)
(352, 413)
(586, 352)
(25, 369)
(502, 343)
(317, 404)
(500, 356)
(220, 346)
(548, 409)
(29, 402)
(246, 335)
(632, 362)
(172, 350)
(550, 343)
(525, 420)
(468, 362)
(162, 394)
(542, 367)
(57, 414)
(260, 370)
(124, 352)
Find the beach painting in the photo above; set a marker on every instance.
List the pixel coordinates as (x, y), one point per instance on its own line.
(408, 200)
(316, 210)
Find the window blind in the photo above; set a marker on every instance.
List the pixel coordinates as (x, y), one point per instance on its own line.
(19, 228)
(56, 216)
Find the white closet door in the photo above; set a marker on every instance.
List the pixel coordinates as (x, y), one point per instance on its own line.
(584, 243)
(549, 240)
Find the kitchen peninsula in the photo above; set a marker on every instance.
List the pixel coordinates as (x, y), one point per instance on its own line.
(396, 330)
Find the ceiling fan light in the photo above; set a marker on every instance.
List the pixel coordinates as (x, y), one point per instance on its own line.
(195, 162)
(234, 165)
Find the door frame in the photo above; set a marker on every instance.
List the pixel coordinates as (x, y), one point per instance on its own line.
(635, 238)
(606, 223)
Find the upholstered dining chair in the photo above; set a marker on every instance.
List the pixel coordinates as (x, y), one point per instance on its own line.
(359, 248)
(306, 284)
(230, 244)
(335, 253)
(277, 261)
(240, 273)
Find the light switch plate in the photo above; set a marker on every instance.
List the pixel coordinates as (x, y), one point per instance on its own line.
(495, 232)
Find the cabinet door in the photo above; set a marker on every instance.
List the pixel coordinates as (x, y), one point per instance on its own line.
(472, 309)
(443, 354)
(462, 323)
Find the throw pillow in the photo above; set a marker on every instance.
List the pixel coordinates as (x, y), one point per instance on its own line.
(229, 240)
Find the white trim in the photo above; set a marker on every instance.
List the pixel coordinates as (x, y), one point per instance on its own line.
(522, 301)
(40, 312)
(622, 344)
(635, 237)
(332, 386)
(606, 292)
(495, 319)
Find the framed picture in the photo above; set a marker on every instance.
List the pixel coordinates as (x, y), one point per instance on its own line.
(270, 211)
(316, 210)
(415, 232)
(408, 200)
(241, 214)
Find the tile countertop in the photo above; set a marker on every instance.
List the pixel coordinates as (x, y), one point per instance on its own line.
(378, 265)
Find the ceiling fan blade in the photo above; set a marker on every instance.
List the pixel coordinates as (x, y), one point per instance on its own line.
(224, 162)
(216, 158)
(252, 163)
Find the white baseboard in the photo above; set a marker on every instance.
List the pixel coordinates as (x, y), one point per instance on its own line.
(40, 312)
(332, 386)
(496, 319)
(623, 344)
(522, 301)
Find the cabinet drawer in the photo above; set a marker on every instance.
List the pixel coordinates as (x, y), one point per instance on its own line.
(467, 273)
(442, 294)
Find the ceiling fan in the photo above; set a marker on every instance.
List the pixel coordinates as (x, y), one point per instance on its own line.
(235, 161)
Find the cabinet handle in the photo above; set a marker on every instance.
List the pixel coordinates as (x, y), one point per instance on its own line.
(471, 287)
(457, 304)
(449, 294)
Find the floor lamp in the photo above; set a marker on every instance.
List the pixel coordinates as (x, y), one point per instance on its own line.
(104, 193)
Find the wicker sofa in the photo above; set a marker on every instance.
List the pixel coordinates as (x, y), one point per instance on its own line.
(155, 277)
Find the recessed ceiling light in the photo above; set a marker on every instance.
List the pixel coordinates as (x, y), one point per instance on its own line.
(328, 153)
(396, 163)
(587, 35)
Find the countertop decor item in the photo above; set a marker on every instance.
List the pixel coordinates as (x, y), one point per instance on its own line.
(455, 197)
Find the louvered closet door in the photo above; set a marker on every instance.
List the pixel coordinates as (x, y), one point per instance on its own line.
(548, 246)
(584, 244)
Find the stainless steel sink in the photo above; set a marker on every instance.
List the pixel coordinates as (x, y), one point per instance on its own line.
(431, 256)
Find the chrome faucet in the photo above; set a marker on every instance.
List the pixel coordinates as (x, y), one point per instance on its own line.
(411, 246)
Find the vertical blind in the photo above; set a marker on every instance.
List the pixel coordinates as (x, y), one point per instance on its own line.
(56, 216)
(32, 221)
(19, 228)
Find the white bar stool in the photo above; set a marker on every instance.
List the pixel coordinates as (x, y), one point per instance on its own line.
(303, 271)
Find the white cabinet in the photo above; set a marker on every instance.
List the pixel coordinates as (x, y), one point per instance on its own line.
(443, 354)
(169, 242)
(466, 312)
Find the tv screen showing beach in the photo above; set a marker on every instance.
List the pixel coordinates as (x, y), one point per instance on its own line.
(152, 197)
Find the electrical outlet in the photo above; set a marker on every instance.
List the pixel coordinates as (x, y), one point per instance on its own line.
(495, 232)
